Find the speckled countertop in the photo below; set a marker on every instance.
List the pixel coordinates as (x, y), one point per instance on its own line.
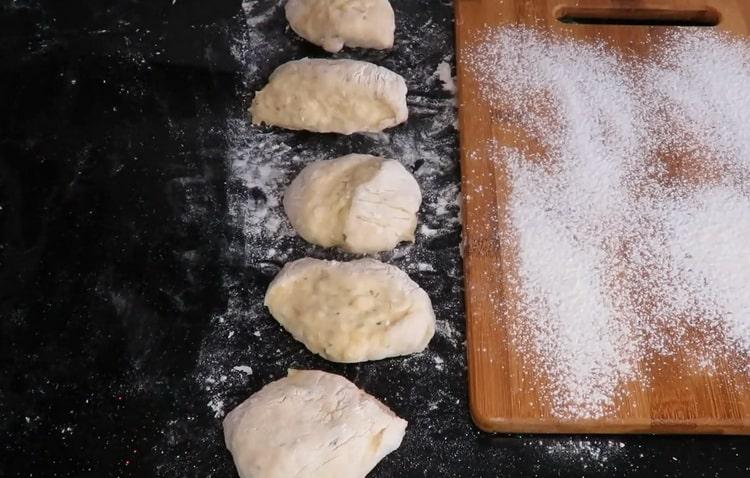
(140, 225)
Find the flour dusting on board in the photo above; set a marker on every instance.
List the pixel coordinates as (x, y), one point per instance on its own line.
(709, 246)
(619, 258)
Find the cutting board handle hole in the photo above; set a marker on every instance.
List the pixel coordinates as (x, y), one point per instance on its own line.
(704, 17)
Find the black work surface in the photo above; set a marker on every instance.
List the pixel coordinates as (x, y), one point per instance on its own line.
(122, 256)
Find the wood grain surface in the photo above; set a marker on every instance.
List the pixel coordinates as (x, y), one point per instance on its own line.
(501, 399)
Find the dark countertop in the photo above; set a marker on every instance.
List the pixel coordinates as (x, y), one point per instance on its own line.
(138, 234)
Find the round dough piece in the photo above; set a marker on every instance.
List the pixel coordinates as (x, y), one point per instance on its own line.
(351, 311)
(331, 96)
(363, 203)
(333, 24)
(311, 424)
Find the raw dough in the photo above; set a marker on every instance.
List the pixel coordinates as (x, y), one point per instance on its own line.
(331, 96)
(335, 23)
(362, 203)
(351, 311)
(311, 424)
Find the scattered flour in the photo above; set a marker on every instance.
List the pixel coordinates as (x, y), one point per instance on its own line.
(443, 73)
(585, 452)
(709, 245)
(217, 406)
(619, 256)
(246, 369)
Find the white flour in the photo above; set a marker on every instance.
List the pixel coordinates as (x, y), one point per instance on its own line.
(443, 73)
(617, 259)
(704, 79)
(589, 453)
(709, 245)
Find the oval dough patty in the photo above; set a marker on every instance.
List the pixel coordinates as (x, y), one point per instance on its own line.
(363, 203)
(311, 424)
(351, 311)
(335, 23)
(331, 96)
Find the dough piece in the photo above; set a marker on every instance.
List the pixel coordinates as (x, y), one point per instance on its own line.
(311, 424)
(363, 203)
(335, 23)
(331, 96)
(351, 311)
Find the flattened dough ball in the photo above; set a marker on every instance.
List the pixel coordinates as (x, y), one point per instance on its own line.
(351, 311)
(334, 24)
(331, 96)
(311, 424)
(363, 203)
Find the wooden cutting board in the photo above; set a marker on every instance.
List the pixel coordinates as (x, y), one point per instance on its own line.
(500, 400)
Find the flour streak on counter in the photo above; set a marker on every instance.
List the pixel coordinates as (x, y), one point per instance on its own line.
(618, 257)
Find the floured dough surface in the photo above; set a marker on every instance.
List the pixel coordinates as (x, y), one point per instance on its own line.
(363, 203)
(311, 424)
(351, 311)
(333, 24)
(331, 96)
